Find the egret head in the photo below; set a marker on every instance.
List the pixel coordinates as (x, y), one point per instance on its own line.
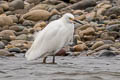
(68, 17)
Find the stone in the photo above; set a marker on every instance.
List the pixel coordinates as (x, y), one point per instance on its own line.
(1, 10)
(82, 4)
(106, 53)
(5, 20)
(4, 5)
(113, 10)
(21, 37)
(2, 45)
(42, 7)
(37, 15)
(114, 27)
(97, 44)
(17, 50)
(16, 28)
(33, 1)
(88, 31)
(106, 46)
(62, 52)
(16, 4)
(54, 17)
(39, 26)
(28, 23)
(4, 52)
(22, 44)
(14, 18)
(79, 47)
(61, 5)
(7, 33)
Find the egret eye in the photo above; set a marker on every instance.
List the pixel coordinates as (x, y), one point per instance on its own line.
(71, 19)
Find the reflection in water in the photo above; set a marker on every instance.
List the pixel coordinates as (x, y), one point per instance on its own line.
(67, 68)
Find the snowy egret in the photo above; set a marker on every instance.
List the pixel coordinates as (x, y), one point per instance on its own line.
(52, 38)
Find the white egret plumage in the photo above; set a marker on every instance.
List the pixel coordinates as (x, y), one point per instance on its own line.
(52, 38)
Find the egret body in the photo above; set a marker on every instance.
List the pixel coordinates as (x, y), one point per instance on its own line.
(52, 38)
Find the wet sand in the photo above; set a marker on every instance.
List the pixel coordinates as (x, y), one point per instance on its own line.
(67, 68)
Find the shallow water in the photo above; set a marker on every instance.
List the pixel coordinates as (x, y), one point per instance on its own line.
(67, 68)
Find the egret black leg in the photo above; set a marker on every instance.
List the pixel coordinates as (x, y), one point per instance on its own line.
(53, 59)
(44, 60)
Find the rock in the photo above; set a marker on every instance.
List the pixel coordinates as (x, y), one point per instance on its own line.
(37, 15)
(54, 17)
(16, 4)
(5, 20)
(4, 5)
(28, 23)
(102, 7)
(97, 44)
(79, 47)
(7, 35)
(88, 31)
(22, 44)
(16, 28)
(42, 7)
(39, 26)
(82, 5)
(1, 10)
(21, 37)
(14, 18)
(17, 50)
(61, 5)
(33, 1)
(106, 46)
(2, 45)
(114, 27)
(113, 10)
(62, 52)
(4, 52)
(106, 53)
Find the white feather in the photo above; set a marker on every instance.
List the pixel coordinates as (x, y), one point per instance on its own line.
(51, 39)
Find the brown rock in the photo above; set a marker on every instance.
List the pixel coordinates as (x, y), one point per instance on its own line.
(7, 33)
(1, 10)
(97, 44)
(106, 46)
(5, 20)
(39, 26)
(62, 52)
(80, 47)
(4, 5)
(82, 4)
(37, 15)
(42, 7)
(14, 18)
(4, 52)
(88, 31)
(16, 4)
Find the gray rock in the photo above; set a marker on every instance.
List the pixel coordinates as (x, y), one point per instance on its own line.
(113, 10)
(82, 4)
(16, 4)
(114, 27)
(28, 23)
(107, 53)
(16, 28)
(54, 17)
(17, 50)
(2, 45)
(21, 37)
(4, 52)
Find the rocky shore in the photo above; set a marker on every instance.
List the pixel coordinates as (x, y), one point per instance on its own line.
(98, 36)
